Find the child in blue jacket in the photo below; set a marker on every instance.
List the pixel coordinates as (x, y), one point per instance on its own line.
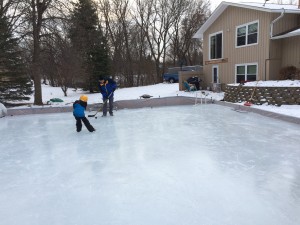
(79, 107)
(107, 88)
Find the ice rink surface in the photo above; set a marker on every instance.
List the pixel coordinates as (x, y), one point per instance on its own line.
(185, 165)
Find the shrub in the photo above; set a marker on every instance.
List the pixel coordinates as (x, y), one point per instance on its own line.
(289, 73)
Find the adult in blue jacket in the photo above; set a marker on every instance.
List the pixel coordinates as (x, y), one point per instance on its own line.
(107, 88)
(79, 106)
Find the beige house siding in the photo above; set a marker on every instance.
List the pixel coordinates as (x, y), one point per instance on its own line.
(285, 23)
(283, 52)
(227, 22)
(269, 55)
(273, 62)
(291, 52)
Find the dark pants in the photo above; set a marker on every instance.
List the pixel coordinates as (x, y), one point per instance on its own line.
(86, 123)
(111, 105)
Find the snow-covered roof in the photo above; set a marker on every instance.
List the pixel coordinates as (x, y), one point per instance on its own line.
(289, 34)
(268, 7)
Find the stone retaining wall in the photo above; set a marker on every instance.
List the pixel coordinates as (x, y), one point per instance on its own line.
(260, 95)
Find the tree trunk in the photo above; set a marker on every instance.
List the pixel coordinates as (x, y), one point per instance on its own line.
(36, 26)
(38, 8)
(37, 86)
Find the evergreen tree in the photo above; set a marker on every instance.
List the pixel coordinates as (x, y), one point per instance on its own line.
(87, 38)
(14, 83)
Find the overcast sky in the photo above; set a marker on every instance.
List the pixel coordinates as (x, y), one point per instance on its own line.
(214, 3)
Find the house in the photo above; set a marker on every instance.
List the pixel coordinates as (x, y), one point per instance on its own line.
(249, 41)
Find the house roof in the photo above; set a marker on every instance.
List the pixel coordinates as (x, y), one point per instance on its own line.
(268, 7)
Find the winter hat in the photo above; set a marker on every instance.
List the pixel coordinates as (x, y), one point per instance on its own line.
(84, 98)
(101, 78)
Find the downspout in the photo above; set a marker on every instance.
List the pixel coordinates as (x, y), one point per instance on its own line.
(266, 60)
(274, 21)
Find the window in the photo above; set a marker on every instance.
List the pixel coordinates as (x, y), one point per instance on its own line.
(246, 73)
(216, 46)
(247, 34)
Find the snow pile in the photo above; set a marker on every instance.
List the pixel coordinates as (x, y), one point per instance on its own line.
(3, 110)
(271, 83)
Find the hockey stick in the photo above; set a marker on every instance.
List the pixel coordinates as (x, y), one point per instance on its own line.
(251, 100)
(101, 107)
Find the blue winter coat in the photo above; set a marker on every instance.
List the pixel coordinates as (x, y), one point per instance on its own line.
(78, 108)
(107, 88)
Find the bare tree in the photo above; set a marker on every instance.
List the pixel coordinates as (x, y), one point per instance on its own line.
(10, 9)
(37, 9)
(61, 65)
(149, 33)
(4, 6)
(184, 49)
(117, 22)
(157, 18)
(34, 24)
(143, 65)
(68, 66)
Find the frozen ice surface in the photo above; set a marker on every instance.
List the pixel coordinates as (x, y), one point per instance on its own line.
(185, 165)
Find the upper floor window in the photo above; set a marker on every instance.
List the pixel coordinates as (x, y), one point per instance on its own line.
(216, 43)
(247, 34)
(246, 72)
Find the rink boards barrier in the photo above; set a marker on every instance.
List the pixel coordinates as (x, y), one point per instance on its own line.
(123, 104)
(151, 102)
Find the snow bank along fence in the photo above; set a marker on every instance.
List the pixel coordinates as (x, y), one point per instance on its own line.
(270, 95)
(274, 115)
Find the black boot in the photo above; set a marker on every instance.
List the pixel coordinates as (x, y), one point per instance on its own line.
(88, 125)
(78, 124)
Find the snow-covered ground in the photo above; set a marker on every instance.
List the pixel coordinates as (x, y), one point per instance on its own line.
(167, 90)
(271, 83)
(157, 91)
